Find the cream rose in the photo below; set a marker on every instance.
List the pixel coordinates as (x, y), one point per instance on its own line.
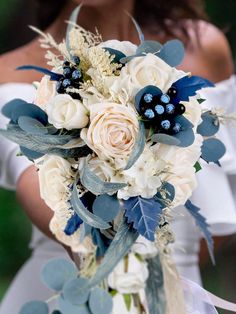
(65, 112)
(55, 175)
(147, 70)
(112, 131)
(45, 92)
(130, 280)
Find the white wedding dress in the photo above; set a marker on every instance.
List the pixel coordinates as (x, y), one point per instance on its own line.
(214, 196)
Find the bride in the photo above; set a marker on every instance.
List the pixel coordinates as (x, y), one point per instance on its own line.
(207, 55)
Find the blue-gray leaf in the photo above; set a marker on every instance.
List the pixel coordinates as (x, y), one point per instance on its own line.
(118, 55)
(32, 126)
(100, 301)
(56, 272)
(106, 207)
(203, 225)
(138, 28)
(95, 185)
(75, 291)
(84, 213)
(165, 139)
(172, 52)
(73, 20)
(11, 106)
(125, 237)
(30, 154)
(144, 214)
(212, 150)
(149, 46)
(155, 287)
(68, 308)
(138, 146)
(35, 307)
(46, 144)
(165, 194)
(186, 137)
(210, 124)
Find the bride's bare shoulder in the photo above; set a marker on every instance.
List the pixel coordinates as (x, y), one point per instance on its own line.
(28, 54)
(209, 53)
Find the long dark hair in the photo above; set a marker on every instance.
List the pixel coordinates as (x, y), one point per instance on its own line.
(167, 16)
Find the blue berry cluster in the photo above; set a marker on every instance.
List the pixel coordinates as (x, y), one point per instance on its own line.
(160, 110)
(72, 77)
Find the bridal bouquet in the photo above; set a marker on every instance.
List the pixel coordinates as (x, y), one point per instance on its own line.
(117, 134)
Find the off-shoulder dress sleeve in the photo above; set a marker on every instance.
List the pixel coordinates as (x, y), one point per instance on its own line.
(11, 165)
(216, 191)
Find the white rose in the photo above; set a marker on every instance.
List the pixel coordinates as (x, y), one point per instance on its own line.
(147, 70)
(126, 47)
(112, 131)
(45, 92)
(131, 281)
(57, 226)
(144, 247)
(55, 175)
(193, 110)
(181, 172)
(65, 112)
(72, 241)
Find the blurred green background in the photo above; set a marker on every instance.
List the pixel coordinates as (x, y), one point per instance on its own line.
(14, 226)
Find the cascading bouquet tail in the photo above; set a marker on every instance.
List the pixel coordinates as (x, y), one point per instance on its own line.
(117, 133)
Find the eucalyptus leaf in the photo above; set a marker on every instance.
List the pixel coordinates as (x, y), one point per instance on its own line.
(149, 46)
(165, 139)
(30, 154)
(29, 110)
(32, 126)
(46, 144)
(95, 185)
(73, 20)
(125, 237)
(212, 150)
(35, 307)
(68, 308)
(155, 287)
(75, 292)
(100, 301)
(186, 137)
(210, 124)
(56, 272)
(118, 55)
(129, 58)
(138, 146)
(11, 106)
(88, 217)
(53, 76)
(172, 52)
(106, 207)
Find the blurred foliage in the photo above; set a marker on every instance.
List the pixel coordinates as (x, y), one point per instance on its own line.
(14, 226)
